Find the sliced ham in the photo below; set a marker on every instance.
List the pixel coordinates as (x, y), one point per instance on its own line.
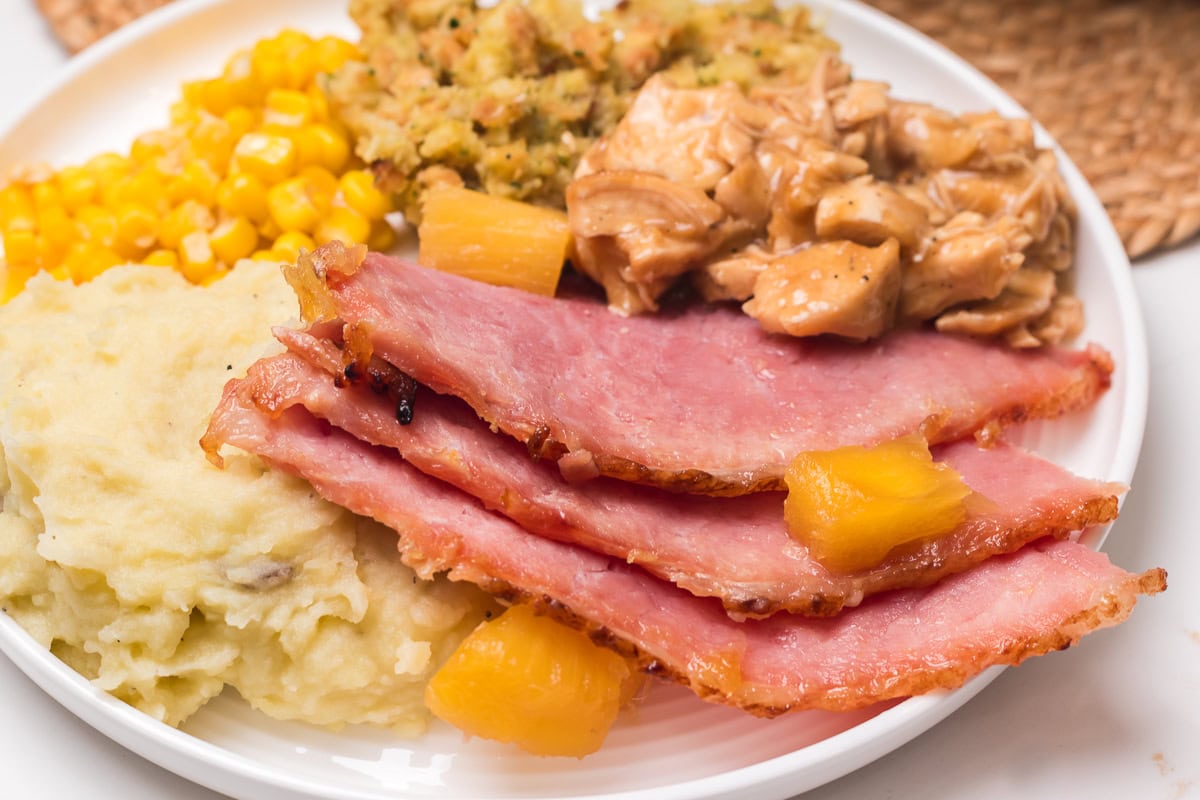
(701, 400)
(736, 549)
(1042, 598)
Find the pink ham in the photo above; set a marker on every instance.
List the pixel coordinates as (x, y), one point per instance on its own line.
(701, 401)
(1042, 598)
(737, 549)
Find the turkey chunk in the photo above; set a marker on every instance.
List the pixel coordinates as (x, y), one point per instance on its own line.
(841, 288)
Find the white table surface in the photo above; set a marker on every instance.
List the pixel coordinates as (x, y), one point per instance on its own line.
(1116, 717)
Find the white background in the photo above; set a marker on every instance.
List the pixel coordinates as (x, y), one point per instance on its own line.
(1116, 717)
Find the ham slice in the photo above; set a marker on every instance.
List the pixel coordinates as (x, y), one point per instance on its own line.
(1042, 598)
(702, 400)
(736, 549)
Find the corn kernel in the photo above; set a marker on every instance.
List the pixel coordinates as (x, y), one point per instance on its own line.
(137, 230)
(196, 259)
(243, 83)
(319, 103)
(198, 182)
(382, 237)
(107, 168)
(233, 239)
(292, 205)
(343, 224)
(16, 203)
(145, 187)
(86, 260)
(188, 217)
(99, 225)
(269, 229)
(288, 246)
(266, 255)
(269, 157)
(57, 231)
(192, 93)
(162, 258)
(333, 52)
(321, 145)
(243, 195)
(14, 284)
(241, 120)
(46, 194)
(322, 185)
(150, 146)
(184, 114)
(78, 188)
(359, 192)
(216, 96)
(212, 140)
(288, 107)
(20, 246)
(300, 58)
(267, 63)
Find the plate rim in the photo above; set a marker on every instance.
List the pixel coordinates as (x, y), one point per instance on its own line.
(215, 767)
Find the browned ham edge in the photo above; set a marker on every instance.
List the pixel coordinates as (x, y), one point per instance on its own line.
(1042, 598)
(702, 401)
(735, 549)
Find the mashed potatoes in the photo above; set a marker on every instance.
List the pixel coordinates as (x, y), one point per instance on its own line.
(161, 577)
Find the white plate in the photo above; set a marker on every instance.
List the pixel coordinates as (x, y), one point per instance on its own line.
(673, 746)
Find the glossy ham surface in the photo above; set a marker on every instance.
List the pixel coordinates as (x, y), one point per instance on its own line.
(702, 400)
(736, 549)
(1042, 598)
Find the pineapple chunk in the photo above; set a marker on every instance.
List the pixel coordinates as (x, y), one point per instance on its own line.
(531, 681)
(493, 239)
(853, 505)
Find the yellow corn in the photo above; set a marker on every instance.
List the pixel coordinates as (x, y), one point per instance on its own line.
(137, 230)
(241, 120)
(344, 224)
(382, 237)
(197, 182)
(16, 206)
(243, 195)
(251, 165)
(358, 189)
(21, 246)
(146, 187)
(294, 205)
(267, 156)
(188, 217)
(289, 107)
(99, 225)
(322, 145)
(288, 246)
(243, 83)
(46, 195)
(86, 260)
(78, 188)
(162, 258)
(233, 239)
(196, 259)
(333, 52)
(56, 232)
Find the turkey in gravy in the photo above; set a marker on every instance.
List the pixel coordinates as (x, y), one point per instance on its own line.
(829, 208)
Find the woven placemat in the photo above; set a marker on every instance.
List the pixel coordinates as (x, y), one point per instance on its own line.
(1116, 81)
(78, 23)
